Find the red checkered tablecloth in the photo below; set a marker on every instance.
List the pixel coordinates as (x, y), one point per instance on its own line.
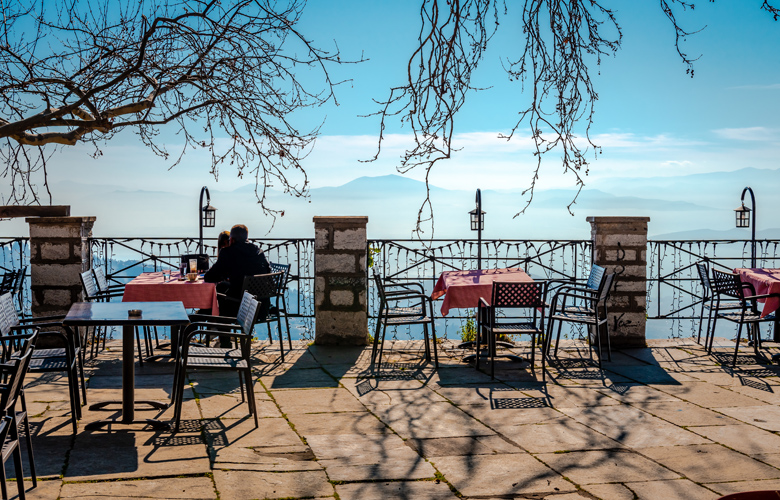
(464, 288)
(150, 287)
(765, 281)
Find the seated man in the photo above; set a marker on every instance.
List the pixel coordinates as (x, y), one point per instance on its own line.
(235, 261)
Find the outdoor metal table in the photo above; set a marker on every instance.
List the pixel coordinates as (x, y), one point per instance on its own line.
(116, 314)
(152, 287)
(464, 289)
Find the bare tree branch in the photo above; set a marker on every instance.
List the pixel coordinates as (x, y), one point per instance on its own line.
(228, 74)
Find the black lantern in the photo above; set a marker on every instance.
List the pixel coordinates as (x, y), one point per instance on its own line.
(207, 216)
(743, 220)
(477, 220)
(743, 216)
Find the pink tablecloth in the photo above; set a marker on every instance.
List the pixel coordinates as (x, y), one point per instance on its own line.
(149, 287)
(764, 281)
(464, 288)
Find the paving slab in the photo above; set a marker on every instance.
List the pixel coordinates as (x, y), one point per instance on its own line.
(678, 488)
(135, 454)
(267, 458)
(500, 475)
(195, 488)
(684, 414)
(708, 395)
(222, 406)
(742, 437)
(575, 396)
(633, 427)
(767, 417)
(400, 490)
(243, 433)
(612, 491)
(429, 421)
(46, 490)
(710, 462)
(387, 470)
(380, 392)
(462, 446)
(561, 436)
(501, 417)
(249, 485)
(317, 401)
(299, 378)
(636, 393)
(741, 486)
(650, 374)
(356, 449)
(605, 466)
(338, 423)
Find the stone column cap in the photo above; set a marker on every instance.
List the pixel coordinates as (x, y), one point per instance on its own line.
(330, 219)
(60, 220)
(616, 219)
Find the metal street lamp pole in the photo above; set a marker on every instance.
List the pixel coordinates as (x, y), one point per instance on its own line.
(479, 229)
(753, 229)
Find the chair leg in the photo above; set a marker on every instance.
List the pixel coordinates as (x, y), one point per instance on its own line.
(736, 347)
(426, 340)
(28, 441)
(281, 335)
(138, 342)
(382, 346)
(375, 344)
(250, 391)
(17, 453)
(712, 333)
(435, 348)
(701, 322)
(286, 321)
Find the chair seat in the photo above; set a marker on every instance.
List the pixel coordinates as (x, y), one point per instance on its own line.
(724, 305)
(216, 363)
(405, 311)
(575, 317)
(49, 364)
(516, 328)
(578, 310)
(213, 352)
(49, 353)
(749, 317)
(407, 320)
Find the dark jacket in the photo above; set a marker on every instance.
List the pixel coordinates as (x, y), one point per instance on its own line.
(235, 262)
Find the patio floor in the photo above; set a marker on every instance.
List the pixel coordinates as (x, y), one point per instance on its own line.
(668, 421)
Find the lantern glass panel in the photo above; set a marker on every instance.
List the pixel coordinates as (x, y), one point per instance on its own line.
(743, 216)
(209, 216)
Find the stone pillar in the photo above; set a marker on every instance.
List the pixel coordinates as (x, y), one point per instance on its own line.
(59, 252)
(340, 311)
(620, 245)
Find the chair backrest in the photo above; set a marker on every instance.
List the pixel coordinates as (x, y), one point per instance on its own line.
(8, 315)
(247, 313)
(519, 294)
(100, 279)
(203, 260)
(20, 275)
(595, 277)
(704, 277)
(606, 286)
(380, 285)
(8, 281)
(89, 284)
(281, 268)
(9, 392)
(263, 286)
(726, 284)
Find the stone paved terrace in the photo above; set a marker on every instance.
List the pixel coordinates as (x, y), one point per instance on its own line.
(664, 422)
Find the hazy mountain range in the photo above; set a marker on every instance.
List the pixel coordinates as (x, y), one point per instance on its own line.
(682, 207)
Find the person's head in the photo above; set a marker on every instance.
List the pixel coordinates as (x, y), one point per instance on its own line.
(238, 234)
(223, 240)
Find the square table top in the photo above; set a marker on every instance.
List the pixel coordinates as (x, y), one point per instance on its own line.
(116, 313)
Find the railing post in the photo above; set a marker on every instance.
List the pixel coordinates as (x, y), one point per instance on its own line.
(620, 245)
(340, 306)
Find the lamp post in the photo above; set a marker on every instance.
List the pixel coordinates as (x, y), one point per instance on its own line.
(207, 216)
(743, 220)
(478, 224)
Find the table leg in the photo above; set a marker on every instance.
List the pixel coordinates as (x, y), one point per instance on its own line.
(128, 375)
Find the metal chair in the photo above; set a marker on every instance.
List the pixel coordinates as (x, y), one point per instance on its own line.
(67, 358)
(593, 313)
(13, 372)
(707, 300)
(529, 296)
(265, 287)
(216, 358)
(280, 295)
(417, 309)
(729, 286)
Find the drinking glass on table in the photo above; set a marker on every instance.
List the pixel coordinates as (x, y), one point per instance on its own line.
(166, 272)
(193, 265)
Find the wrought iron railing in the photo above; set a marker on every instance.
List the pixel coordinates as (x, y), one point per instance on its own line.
(673, 291)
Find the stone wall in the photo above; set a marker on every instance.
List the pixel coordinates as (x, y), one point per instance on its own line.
(620, 245)
(59, 252)
(340, 310)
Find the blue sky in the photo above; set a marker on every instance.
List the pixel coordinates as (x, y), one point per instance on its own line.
(651, 118)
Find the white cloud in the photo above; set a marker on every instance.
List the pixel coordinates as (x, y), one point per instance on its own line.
(749, 134)
(683, 163)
